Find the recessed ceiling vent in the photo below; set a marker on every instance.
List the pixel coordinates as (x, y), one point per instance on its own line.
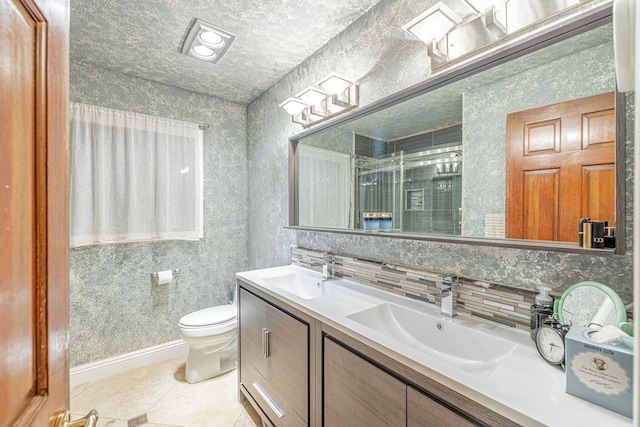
(206, 41)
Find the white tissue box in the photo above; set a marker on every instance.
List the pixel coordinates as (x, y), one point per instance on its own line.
(599, 373)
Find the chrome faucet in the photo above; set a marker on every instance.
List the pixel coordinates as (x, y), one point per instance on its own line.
(327, 266)
(447, 303)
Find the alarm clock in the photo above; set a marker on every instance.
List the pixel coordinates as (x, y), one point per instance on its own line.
(550, 342)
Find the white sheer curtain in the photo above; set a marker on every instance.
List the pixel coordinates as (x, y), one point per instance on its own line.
(133, 177)
(325, 187)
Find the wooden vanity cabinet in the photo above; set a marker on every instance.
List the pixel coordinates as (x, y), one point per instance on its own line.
(297, 371)
(274, 361)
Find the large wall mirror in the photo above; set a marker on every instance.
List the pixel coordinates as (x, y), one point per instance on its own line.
(516, 148)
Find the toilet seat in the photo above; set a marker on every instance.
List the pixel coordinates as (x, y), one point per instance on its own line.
(209, 321)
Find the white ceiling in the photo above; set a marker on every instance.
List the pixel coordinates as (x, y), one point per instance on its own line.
(142, 38)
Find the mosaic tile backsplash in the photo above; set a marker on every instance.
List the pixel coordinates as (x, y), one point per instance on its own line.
(506, 305)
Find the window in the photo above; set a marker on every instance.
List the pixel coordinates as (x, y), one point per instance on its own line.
(133, 177)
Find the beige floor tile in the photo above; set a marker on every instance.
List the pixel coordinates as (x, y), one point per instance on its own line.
(161, 392)
(104, 422)
(79, 389)
(158, 425)
(248, 417)
(128, 394)
(207, 403)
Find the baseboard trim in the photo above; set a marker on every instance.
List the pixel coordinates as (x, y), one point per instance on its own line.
(113, 365)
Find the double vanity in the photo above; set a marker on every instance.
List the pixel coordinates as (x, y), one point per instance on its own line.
(334, 352)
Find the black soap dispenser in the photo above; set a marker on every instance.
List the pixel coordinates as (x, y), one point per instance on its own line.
(541, 310)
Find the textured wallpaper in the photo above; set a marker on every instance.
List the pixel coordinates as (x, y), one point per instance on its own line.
(375, 51)
(114, 307)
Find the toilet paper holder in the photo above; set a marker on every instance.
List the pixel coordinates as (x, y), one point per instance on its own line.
(155, 277)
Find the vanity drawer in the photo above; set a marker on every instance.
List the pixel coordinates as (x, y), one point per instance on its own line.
(279, 410)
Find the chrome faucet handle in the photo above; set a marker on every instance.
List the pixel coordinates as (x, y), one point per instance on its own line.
(447, 301)
(446, 305)
(327, 267)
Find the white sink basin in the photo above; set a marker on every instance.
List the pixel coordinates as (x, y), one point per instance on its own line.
(462, 346)
(306, 287)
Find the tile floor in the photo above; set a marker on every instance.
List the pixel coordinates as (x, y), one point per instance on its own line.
(157, 395)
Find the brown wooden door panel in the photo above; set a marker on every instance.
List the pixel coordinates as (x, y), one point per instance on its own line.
(598, 129)
(541, 138)
(17, 180)
(540, 195)
(576, 139)
(598, 179)
(34, 267)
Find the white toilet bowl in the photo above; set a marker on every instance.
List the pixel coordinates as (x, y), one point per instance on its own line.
(211, 335)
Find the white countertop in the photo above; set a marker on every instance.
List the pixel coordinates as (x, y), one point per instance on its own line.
(523, 387)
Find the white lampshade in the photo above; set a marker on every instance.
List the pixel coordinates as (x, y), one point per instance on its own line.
(334, 84)
(293, 106)
(433, 23)
(311, 95)
(482, 5)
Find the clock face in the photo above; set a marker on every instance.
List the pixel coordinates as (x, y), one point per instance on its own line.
(550, 343)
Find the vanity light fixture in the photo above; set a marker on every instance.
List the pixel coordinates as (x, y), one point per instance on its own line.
(449, 36)
(312, 96)
(481, 6)
(432, 24)
(293, 106)
(332, 96)
(205, 41)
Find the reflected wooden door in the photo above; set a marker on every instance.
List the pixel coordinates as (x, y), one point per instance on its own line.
(34, 267)
(560, 168)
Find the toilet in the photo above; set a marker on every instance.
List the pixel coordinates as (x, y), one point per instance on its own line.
(211, 335)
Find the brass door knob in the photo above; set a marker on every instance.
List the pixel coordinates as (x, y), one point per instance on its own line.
(63, 419)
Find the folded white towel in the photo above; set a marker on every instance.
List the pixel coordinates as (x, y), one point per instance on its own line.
(608, 334)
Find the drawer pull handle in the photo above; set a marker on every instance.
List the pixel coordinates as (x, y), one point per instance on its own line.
(269, 401)
(266, 344)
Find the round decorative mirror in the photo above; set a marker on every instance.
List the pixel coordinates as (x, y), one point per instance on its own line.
(590, 304)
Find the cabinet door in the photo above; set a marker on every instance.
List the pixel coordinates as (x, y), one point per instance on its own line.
(423, 411)
(287, 359)
(274, 361)
(253, 319)
(357, 393)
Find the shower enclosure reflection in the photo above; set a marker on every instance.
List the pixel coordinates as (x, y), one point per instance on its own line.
(414, 181)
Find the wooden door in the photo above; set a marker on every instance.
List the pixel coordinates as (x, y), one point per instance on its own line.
(34, 267)
(560, 168)
(357, 393)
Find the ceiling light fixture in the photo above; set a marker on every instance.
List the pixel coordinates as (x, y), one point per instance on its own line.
(205, 41)
(335, 95)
